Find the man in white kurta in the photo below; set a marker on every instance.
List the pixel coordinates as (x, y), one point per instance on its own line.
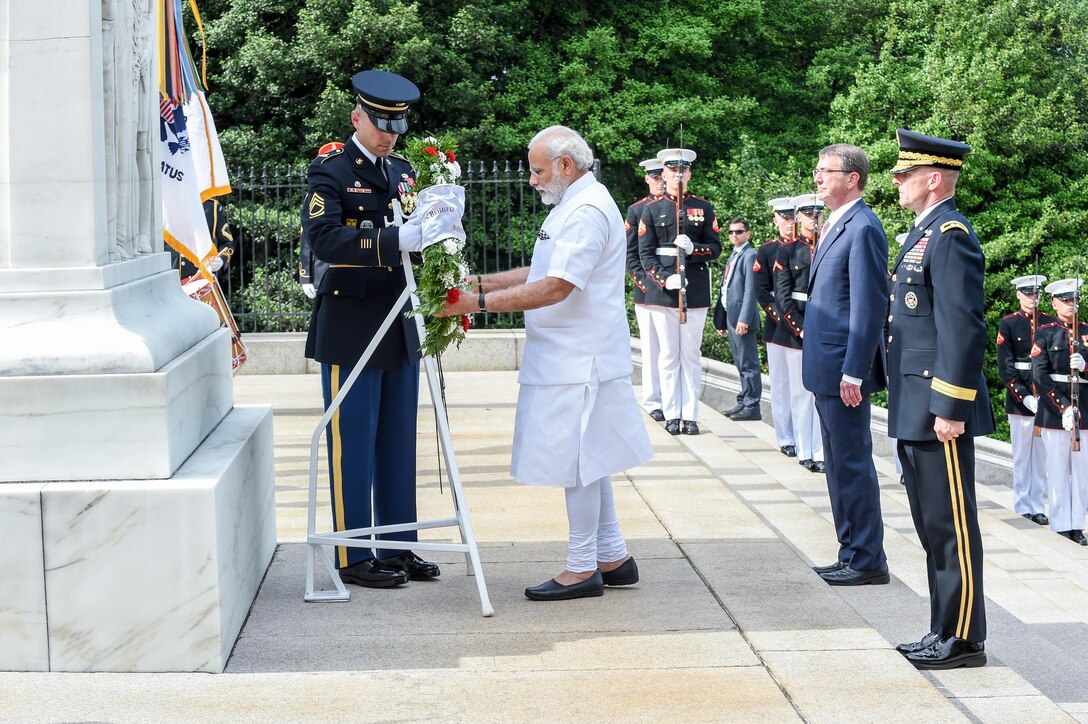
(577, 419)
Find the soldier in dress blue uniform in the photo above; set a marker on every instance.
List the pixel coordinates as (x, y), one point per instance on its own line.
(1015, 335)
(937, 397)
(1055, 359)
(680, 362)
(651, 347)
(372, 437)
(310, 268)
(776, 361)
(791, 267)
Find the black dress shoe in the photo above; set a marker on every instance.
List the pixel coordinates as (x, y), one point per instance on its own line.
(836, 566)
(903, 480)
(733, 410)
(416, 568)
(1077, 536)
(748, 413)
(657, 415)
(949, 654)
(847, 576)
(625, 575)
(789, 451)
(372, 573)
(817, 466)
(928, 640)
(1040, 519)
(806, 463)
(551, 590)
(672, 427)
(690, 427)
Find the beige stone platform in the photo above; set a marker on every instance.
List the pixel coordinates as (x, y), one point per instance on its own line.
(728, 623)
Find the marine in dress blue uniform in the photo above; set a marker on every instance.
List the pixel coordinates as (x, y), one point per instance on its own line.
(1058, 358)
(765, 297)
(651, 379)
(791, 270)
(937, 396)
(372, 436)
(1015, 335)
(681, 344)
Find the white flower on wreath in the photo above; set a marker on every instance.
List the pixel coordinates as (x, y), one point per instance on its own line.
(448, 280)
(454, 169)
(452, 245)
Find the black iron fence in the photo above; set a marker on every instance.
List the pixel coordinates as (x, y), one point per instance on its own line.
(502, 215)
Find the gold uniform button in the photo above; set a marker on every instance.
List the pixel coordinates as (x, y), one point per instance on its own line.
(890, 317)
(335, 292)
(890, 339)
(891, 297)
(925, 373)
(908, 280)
(894, 278)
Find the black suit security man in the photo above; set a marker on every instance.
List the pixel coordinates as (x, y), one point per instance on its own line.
(372, 437)
(937, 397)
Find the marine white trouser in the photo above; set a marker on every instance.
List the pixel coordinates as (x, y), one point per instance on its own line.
(780, 395)
(1028, 466)
(806, 423)
(1066, 480)
(651, 349)
(680, 362)
(594, 530)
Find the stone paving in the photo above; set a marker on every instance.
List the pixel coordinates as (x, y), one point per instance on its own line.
(728, 623)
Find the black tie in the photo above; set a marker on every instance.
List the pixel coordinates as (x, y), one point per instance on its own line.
(379, 163)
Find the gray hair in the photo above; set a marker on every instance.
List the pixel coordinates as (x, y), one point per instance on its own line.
(562, 141)
(853, 160)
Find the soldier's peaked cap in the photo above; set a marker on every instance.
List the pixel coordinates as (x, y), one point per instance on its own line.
(385, 97)
(1030, 284)
(673, 157)
(918, 149)
(1064, 289)
(783, 205)
(652, 165)
(807, 202)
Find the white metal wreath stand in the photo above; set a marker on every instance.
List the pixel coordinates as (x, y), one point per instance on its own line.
(317, 542)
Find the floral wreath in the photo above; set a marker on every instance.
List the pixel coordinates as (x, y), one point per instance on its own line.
(442, 277)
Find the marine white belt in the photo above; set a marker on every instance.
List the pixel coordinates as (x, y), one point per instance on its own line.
(1022, 365)
(799, 296)
(666, 251)
(1066, 378)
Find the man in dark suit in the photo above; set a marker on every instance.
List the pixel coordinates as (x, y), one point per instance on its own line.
(372, 437)
(937, 397)
(843, 324)
(737, 314)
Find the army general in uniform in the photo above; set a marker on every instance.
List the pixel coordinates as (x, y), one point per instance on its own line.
(372, 436)
(937, 397)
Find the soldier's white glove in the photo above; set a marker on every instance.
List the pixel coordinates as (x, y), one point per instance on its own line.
(684, 242)
(411, 235)
(1032, 403)
(1076, 361)
(309, 290)
(1067, 418)
(217, 263)
(673, 282)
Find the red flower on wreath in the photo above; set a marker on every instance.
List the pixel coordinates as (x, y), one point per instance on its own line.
(464, 322)
(452, 296)
(451, 157)
(430, 150)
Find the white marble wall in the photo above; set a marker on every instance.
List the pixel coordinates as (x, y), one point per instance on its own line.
(159, 575)
(24, 642)
(114, 426)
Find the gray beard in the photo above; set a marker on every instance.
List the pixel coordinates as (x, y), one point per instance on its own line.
(553, 192)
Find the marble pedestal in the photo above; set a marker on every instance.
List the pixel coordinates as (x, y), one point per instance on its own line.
(140, 575)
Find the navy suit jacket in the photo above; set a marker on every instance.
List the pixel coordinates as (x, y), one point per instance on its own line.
(847, 302)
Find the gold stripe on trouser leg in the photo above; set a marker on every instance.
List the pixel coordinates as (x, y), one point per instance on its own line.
(336, 468)
(959, 532)
(969, 582)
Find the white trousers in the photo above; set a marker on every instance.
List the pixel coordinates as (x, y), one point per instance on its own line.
(1066, 480)
(594, 530)
(1028, 466)
(806, 423)
(680, 362)
(651, 349)
(780, 395)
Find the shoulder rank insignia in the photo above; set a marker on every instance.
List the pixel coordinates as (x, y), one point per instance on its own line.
(641, 228)
(1000, 338)
(755, 267)
(330, 154)
(626, 225)
(949, 225)
(1036, 350)
(714, 226)
(317, 205)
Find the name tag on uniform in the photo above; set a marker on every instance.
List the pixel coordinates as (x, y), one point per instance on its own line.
(361, 190)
